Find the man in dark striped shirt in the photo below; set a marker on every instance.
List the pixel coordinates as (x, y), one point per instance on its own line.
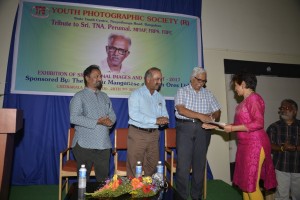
(285, 139)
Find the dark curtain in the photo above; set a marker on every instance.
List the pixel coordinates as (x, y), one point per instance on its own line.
(46, 118)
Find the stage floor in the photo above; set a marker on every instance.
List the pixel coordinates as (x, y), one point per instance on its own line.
(216, 190)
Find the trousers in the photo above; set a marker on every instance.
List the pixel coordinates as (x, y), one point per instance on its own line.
(142, 146)
(288, 185)
(100, 159)
(192, 142)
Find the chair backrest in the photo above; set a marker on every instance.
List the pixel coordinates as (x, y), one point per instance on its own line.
(170, 137)
(71, 136)
(121, 138)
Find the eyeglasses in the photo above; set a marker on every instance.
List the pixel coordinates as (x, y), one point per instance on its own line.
(114, 49)
(200, 80)
(285, 108)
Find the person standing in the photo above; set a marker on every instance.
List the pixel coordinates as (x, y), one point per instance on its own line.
(194, 104)
(147, 111)
(92, 114)
(253, 156)
(117, 51)
(285, 141)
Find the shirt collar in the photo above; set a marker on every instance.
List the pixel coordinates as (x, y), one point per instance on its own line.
(147, 90)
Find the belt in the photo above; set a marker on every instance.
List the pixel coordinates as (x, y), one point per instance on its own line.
(188, 120)
(150, 130)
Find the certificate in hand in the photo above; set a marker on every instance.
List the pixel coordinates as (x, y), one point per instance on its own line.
(219, 124)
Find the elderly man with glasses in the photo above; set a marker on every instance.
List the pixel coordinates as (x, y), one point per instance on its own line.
(117, 50)
(285, 141)
(194, 104)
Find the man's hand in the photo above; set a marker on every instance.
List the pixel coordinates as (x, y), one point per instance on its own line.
(288, 147)
(205, 117)
(105, 121)
(162, 120)
(209, 126)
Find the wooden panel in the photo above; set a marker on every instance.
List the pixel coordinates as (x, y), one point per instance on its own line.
(11, 120)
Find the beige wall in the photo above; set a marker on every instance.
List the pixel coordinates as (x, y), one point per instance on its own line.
(247, 30)
(218, 154)
(266, 31)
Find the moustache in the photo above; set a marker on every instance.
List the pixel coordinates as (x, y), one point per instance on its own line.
(115, 57)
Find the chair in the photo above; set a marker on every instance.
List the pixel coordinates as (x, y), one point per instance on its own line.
(67, 167)
(120, 144)
(170, 160)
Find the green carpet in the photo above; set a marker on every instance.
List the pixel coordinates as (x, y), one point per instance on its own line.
(34, 192)
(216, 190)
(219, 190)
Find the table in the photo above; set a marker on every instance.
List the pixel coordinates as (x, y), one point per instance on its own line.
(78, 194)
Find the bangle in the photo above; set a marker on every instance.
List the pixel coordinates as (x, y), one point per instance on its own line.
(231, 128)
(281, 148)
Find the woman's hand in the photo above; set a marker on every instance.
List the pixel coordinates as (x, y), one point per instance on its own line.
(228, 128)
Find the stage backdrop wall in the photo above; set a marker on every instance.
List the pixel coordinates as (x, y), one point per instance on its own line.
(55, 42)
(46, 117)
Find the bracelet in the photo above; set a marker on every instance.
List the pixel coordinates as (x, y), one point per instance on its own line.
(296, 147)
(281, 148)
(231, 128)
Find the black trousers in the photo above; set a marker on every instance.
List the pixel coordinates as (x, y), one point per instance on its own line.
(192, 142)
(100, 159)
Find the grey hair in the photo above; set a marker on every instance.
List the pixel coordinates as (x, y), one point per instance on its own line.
(112, 36)
(197, 70)
(292, 102)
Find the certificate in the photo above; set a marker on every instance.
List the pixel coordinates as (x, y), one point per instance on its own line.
(219, 124)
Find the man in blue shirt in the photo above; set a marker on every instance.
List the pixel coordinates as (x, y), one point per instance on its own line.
(147, 111)
(92, 114)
